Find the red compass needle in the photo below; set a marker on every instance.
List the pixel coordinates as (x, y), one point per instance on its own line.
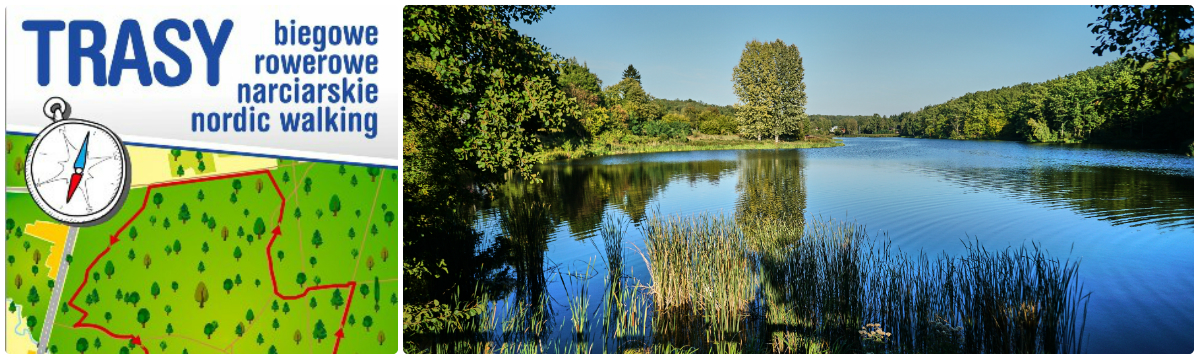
(80, 161)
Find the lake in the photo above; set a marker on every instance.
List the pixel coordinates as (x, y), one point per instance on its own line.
(1127, 215)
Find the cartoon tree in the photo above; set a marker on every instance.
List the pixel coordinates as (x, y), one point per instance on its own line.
(133, 233)
(212, 223)
(250, 316)
(201, 267)
(176, 153)
(204, 247)
(175, 286)
(354, 180)
(272, 349)
(200, 195)
(201, 166)
(233, 198)
(354, 253)
(155, 290)
(370, 262)
(377, 293)
(335, 205)
(342, 169)
(296, 337)
(367, 322)
(107, 316)
(237, 280)
(337, 299)
(237, 253)
(316, 239)
(389, 217)
(312, 260)
(166, 223)
(312, 303)
(260, 339)
(286, 308)
(301, 279)
(146, 261)
(237, 185)
(364, 290)
(177, 246)
(18, 281)
(109, 269)
(33, 296)
(279, 254)
(258, 185)
(319, 332)
(373, 171)
(201, 294)
(228, 285)
(167, 309)
(81, 345)
(224, 233)
(296, 213)
(184, 214)
(239, 329)
(199, 156)
(286, 177)
(351, 234)
(132, 255)
(31, 321)
(210, 328)
(380, 337)
(179, 170)
(170, 329)
(383, 254)
(143, 316)
(11, 260)
(307, 185)
(275, 324)
(260, 227)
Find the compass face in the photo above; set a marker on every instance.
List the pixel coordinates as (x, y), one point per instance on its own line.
(77, 172)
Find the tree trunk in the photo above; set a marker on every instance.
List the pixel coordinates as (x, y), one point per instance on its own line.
(776, 138)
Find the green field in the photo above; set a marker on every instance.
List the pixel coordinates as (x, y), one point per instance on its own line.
(215, 229)
(14, 158)
(19, 260)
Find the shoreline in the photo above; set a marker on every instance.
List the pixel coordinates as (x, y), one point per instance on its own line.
(693, 143)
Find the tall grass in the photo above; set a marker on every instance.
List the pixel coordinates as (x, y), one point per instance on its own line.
(832, 286)
(762, 284)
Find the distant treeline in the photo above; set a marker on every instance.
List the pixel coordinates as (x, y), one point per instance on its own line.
(1118, 102)
(853, 124)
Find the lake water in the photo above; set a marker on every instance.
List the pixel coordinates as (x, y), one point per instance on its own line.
(1128, 215)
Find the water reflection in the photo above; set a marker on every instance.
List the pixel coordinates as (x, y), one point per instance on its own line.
(1117, 195)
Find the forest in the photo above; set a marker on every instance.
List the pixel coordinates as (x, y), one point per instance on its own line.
(1118, 102)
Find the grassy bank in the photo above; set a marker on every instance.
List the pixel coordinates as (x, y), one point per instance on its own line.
(607, 144)
(869, 135)
(758, 285)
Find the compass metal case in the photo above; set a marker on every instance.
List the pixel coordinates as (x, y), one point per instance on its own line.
(78, 195)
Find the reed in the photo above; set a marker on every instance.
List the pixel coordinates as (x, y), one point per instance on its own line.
(757, 284)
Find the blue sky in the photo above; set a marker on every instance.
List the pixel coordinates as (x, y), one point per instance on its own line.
(858, 60)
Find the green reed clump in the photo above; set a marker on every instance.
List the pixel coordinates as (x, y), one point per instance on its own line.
(785, 287)
(703, 281)
(756, 284)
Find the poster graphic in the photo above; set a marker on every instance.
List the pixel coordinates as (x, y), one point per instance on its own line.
(202, 181)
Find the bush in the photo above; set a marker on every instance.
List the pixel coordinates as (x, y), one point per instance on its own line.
(665, 130)
(717, 124)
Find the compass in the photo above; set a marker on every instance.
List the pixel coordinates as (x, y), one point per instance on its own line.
(77, 170)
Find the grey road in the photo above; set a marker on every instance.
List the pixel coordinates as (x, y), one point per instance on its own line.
(16, 189)
(56, 296)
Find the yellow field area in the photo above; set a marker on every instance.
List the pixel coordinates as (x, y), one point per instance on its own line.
(17, 339)
(56, 234)
(153, 165)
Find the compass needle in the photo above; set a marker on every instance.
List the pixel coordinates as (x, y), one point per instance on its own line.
(75, 158)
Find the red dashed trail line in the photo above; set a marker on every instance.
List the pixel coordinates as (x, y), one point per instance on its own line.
(113, 239)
